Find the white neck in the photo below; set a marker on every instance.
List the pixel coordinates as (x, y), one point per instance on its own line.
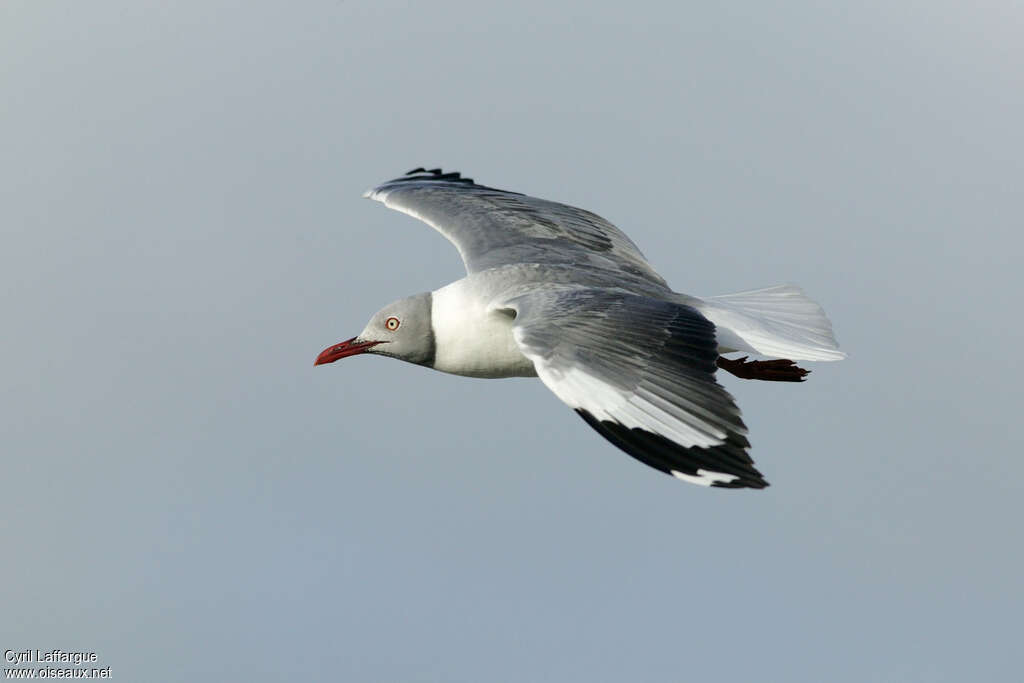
(470, 340)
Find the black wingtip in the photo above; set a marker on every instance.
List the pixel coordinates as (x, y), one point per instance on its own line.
(422, 173)
(728, 460)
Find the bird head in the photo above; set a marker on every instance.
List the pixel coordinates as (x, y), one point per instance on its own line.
(401, 330)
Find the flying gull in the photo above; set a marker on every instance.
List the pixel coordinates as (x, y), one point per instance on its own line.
(559, 293)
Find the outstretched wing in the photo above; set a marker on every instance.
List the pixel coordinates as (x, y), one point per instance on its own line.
(492, 228)
(640, 371)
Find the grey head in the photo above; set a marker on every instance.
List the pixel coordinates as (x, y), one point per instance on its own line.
(401, 329)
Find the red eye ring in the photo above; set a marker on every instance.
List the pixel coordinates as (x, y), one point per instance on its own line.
(392, 323)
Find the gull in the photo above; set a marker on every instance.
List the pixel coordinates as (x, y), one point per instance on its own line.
(559, 293)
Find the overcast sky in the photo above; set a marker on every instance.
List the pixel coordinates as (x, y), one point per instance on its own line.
(182, 233)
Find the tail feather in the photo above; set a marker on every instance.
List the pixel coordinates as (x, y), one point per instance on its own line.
(779, 322)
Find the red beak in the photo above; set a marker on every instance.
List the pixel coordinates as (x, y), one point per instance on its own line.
(349, 347)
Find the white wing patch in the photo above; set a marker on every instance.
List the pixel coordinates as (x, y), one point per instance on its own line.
(382, 197)
(705, 477)
(580, 390)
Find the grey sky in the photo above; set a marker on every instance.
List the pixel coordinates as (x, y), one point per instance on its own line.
(182, 233)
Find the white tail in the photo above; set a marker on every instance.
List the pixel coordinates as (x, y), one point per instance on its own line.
(780, 322)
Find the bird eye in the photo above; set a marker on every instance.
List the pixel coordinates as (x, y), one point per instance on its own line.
(392, 323)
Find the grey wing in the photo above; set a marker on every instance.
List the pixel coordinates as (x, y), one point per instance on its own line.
(493, 228)
(641, 371)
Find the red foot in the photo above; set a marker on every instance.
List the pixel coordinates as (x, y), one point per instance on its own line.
(781, 370)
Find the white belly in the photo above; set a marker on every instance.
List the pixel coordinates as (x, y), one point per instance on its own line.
(472, 341)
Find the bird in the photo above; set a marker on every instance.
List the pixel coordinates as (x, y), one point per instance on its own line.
(559, 293)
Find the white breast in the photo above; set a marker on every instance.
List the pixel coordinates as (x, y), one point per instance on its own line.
(471, 341)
